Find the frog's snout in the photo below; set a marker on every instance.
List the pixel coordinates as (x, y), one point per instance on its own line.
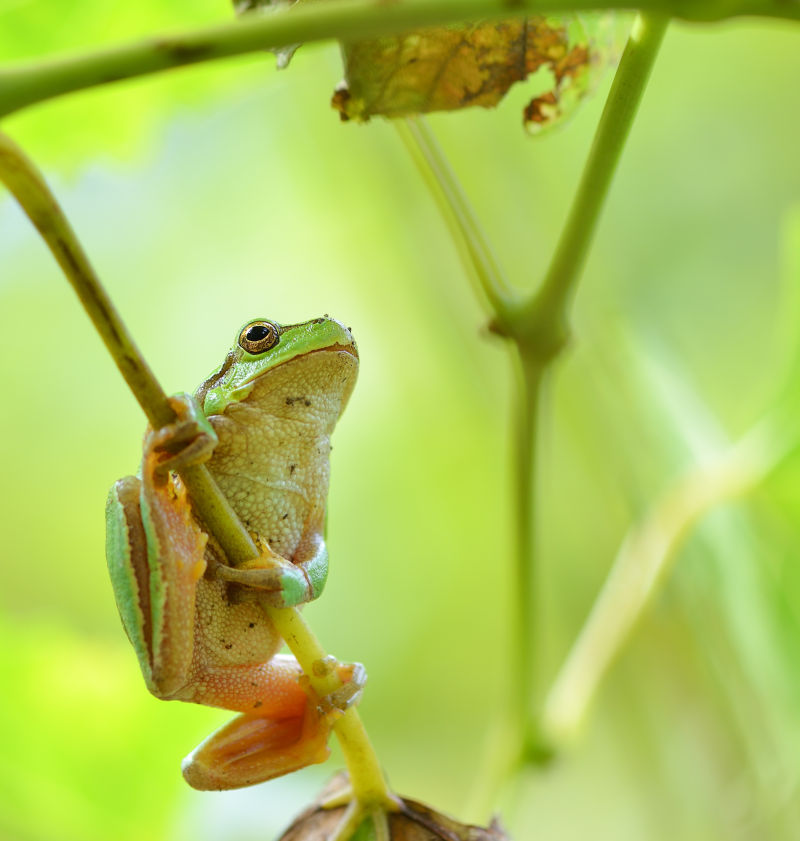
(346, 340)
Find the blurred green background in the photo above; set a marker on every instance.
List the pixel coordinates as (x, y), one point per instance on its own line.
(212, 195)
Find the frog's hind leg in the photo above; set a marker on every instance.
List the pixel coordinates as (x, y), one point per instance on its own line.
(285, 728)
(155, 554)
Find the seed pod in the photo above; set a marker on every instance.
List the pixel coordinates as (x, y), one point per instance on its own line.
(415, 822)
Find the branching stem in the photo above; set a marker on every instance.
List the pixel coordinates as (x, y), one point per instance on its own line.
(539, 330)
(540, 323)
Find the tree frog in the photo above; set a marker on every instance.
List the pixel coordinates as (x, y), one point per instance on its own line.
(262, 423)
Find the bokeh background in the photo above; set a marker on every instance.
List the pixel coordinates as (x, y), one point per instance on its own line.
(215, 194)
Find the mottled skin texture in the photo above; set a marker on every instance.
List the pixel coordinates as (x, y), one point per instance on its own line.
(203, 639)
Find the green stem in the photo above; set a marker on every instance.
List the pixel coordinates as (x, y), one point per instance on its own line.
(539, 328)
(25, 83)
(542, 320)
(476, 250)
(28, 186)
(526, 666)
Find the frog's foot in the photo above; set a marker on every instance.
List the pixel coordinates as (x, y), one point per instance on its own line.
(251, 749)
(285, 728)
(281, 583)
(189, 440)
(353, 677)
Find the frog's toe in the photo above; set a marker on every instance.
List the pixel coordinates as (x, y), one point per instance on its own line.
(281, 583)
(353, 677)
(189, 440)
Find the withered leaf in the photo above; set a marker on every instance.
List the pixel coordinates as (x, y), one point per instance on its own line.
(449, 68)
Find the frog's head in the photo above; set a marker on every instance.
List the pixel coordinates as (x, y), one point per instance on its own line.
(322, 351)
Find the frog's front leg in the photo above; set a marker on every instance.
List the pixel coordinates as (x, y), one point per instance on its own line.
(285, 583)
(285, 725)
(155, 550)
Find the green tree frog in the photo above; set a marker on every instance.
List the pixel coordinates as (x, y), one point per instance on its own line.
(262, 422)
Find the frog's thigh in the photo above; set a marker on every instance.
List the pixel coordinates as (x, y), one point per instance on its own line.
(126, 555)
(282, 730)
(269, 689)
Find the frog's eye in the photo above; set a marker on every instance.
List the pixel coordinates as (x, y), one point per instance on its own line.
(258, 336)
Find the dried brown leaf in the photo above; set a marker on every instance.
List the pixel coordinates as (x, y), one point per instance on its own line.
(449, 68)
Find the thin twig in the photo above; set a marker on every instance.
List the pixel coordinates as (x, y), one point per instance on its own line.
(476, 249)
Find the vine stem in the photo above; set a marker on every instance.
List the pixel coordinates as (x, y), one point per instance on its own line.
(527, 607)
(25, 83)
(476, 250)
(539, 330)
(28, 186)
(539, 324)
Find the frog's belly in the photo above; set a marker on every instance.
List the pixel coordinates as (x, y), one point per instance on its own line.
(274, 472)
(230, 634)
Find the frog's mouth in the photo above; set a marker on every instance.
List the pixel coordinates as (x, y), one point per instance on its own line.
(351, 350)
(242, 369)
(348, 349)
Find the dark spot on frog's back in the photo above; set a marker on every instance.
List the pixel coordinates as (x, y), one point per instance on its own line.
(292, 468)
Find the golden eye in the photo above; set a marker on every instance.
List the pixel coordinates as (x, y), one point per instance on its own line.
(259, 336)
